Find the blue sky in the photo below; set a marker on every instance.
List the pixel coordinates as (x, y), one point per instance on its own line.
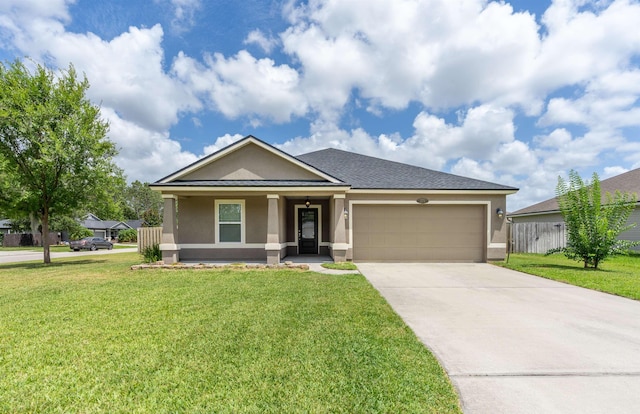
(514, 92)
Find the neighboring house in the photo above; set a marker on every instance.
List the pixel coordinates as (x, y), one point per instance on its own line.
(251, 201)
(108, 229)
(5, 226)
(549, 219)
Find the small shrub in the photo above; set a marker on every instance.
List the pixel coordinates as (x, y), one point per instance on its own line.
(152, 253)
(80, 233)
(128, 236)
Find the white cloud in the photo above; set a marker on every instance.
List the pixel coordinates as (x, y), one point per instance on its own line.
(440, 53)
(613, 171)
(259, 38)
(145, 155)
(184, 14)
(221, 142)
(243, 85)
(126, 73)
(609, 101)
(476, 57)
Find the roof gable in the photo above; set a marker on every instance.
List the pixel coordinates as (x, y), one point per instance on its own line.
(364, 172)
(248, 159)
(628, 182)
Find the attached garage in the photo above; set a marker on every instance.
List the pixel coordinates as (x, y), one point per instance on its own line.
(419, 233)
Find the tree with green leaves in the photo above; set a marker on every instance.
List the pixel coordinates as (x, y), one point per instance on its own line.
(53, 141)
(141, 202)
(593, 227)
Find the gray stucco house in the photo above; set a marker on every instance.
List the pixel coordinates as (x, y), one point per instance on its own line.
(108, 229)
(251, 201)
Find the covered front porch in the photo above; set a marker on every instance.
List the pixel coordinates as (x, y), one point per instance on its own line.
(255, 224)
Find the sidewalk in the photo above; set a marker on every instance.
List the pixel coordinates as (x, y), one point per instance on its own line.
(29, 256)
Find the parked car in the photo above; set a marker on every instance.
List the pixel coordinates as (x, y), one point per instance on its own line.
(90, 243)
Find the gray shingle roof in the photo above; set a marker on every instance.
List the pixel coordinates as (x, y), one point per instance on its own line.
(364, 172)
(628, 182)
(248, 183)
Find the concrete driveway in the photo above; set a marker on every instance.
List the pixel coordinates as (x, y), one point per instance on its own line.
(515, 343)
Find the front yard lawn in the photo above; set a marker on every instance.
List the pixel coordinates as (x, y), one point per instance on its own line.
(618, 275)
(88, 335)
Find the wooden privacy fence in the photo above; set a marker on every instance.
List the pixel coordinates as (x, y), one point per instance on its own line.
(537, 237)
(148, 236)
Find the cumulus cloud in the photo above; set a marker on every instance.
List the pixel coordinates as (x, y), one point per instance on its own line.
(243, 85)
(440, 53)
(145, 155)
(221, 142)
(266, 43)
(572, 72)
(184, 14)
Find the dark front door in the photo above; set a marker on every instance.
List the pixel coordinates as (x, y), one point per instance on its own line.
(308, 231)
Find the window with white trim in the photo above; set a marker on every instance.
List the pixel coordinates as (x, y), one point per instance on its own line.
(229, 221)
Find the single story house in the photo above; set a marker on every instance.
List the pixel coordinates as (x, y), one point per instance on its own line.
(108, 229)
(252, 201)
(5, 226)
(548, 212)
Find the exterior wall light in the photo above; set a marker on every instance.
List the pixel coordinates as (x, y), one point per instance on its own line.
(307, 203)
(499, 212)
(346, 214)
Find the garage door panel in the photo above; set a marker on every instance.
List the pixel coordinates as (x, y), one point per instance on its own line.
(419, 233)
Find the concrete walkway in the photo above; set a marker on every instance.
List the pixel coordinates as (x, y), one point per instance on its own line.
(17, 256)
(515, 343)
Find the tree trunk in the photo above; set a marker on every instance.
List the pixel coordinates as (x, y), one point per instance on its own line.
(45, 236)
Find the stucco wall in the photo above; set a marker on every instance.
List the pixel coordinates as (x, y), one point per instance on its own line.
(196, 219)
(251, 163)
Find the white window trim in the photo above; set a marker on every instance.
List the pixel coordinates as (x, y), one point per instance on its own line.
(242, 223)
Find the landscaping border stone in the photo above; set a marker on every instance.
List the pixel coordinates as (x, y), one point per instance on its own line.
(219, 266)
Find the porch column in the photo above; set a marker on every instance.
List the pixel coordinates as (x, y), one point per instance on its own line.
(169, 230)
(273, 230)
(340, 246)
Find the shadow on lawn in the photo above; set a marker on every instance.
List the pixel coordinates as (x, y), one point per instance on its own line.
(564, 267)
(40, 265)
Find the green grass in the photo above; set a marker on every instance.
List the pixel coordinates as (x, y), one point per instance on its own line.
(88, 335)
(340, 266)
(619, 275)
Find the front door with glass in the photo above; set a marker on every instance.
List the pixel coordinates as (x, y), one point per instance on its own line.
(308, 231)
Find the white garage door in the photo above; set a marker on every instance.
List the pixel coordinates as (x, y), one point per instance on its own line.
(419, 233)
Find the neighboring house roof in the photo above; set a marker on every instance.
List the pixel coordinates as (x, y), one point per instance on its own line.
(92, 222)
(364, 172)
(628, 182)
(134, 224)
(104, 224)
